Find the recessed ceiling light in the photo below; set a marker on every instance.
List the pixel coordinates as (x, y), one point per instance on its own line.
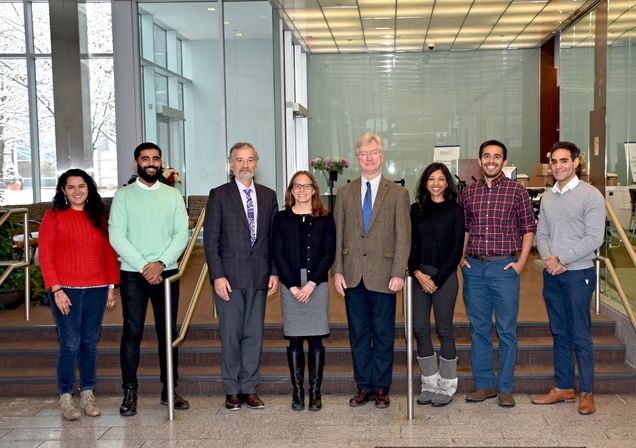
(238, 34)
(226, 22)
(211, 9)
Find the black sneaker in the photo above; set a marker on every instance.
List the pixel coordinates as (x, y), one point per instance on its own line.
(128, 406)
(180, 403)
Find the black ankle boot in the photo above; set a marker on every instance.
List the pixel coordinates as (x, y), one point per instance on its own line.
(316, 367)
(128, 406)
(296, 361)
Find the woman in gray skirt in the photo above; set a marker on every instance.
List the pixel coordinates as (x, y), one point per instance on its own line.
(304, 239)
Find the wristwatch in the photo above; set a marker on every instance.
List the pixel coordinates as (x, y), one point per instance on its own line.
(161, 263)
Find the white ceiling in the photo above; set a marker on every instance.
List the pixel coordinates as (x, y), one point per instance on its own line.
(346, 26)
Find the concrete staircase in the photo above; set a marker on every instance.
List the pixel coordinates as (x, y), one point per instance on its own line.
(28, 356)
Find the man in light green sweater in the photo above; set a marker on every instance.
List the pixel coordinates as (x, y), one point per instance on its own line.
(148, 229)
(571, 227)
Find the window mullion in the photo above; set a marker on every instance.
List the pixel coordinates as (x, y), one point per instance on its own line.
(33, 107)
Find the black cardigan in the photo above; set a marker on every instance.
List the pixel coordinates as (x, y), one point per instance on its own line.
(321, 250)
(437, 239)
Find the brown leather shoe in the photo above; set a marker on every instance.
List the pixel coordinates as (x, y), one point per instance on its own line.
(232, 402)
(481, 395)
(382, 400)
(252, 401)
(555, 395)
(506, 400)
(586, 404)
(361, 397)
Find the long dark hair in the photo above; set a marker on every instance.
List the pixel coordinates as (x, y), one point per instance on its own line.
(317, 206)
(423, 196)
(94, 207)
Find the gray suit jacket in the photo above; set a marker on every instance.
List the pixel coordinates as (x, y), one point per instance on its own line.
(384, 252)
(226, 237)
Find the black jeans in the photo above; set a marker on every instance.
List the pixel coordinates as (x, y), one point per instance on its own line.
(443, 301)
(135, 291)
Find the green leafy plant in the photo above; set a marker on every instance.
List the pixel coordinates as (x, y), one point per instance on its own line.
(15, 280)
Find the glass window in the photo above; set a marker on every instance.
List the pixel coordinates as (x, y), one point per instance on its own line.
(161, 90)
(15, 140)
(41, 28)
(46, 127)
(180, 93)
(159, 40)
(12, 28)
(179, 56)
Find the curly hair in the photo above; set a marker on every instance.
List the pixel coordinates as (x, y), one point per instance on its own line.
(423, 196)
(94, 207)
(317, 206)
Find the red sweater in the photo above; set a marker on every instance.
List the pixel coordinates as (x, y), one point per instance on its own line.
(73, 252)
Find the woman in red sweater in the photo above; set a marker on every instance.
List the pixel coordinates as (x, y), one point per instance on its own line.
(80, 270)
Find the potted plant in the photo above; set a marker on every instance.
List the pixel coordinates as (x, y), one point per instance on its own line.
(12, 289)
(330, 168)
(11, 177)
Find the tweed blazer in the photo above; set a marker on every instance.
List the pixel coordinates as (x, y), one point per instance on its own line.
(384, 252)
(226, 237)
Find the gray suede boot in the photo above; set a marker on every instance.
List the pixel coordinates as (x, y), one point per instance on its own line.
(447, 382)
(430, 377)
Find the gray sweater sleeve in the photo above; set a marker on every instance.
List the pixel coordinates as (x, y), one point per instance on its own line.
(592, 238)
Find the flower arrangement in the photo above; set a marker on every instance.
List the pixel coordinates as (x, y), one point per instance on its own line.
(327, 164)
(170, 176)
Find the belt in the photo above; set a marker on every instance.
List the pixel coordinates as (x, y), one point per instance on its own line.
(490, 259)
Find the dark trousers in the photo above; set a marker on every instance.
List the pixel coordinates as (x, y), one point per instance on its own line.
(78, 332)
(135, 292)
(487, 288)
(443, 302)
(568, 298)
(241, 323)
(371, 318)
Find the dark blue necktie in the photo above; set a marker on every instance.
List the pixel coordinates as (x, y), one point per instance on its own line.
(367, 208)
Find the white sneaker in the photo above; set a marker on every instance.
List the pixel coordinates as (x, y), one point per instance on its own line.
(68, 408)
(87, 402)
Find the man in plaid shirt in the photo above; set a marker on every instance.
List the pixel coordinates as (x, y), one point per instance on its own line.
(500, 227)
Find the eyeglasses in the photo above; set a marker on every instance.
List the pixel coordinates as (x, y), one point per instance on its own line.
(373, 154)
(305, 187)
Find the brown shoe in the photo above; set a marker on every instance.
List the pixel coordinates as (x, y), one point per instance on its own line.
(232, 402)
(361, 397)
(586, 404)
(555, 395)
(382, 400)
(252, 401)
(506, 400)
(481, 395)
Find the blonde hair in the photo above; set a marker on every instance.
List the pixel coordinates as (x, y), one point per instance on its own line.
(367, 138)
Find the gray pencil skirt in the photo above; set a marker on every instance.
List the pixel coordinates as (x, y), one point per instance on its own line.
(306, 319)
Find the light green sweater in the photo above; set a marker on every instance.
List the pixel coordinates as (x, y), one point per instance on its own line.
(148, 225)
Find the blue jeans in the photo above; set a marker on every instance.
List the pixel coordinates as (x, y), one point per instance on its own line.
(78, 333)
(371, 318)
(135, 292)
(487, 288)
(567, 298)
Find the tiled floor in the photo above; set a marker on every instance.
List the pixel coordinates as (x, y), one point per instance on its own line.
(35, 422)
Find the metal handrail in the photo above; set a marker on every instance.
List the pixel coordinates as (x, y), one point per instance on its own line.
(621, 232)
(408, 334)
(13, 265)
(619, 290)
(168, 311)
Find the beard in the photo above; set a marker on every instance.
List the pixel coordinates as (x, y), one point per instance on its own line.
(150, 178)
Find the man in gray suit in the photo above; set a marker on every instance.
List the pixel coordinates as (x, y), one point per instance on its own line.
(373, 240)
(238, 220)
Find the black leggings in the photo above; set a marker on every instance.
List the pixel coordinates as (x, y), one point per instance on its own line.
(314, 343)
(443, 301)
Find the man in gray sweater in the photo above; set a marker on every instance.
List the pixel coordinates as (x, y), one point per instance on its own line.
(571, 227)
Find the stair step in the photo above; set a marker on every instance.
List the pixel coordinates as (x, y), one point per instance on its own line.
(608, 349)
(37, 333)
(275, 379)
